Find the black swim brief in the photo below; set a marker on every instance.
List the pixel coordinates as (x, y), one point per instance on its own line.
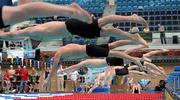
(97, 50)
(1, 19)
(83, 29)
(123, 71)
(114, 61)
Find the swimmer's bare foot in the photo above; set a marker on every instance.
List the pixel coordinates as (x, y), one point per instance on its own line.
(137, 37)
(140, 20)
(164, 50)
(80, 13)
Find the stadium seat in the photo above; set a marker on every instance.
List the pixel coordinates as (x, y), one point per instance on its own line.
(176, 68)
(175, 74)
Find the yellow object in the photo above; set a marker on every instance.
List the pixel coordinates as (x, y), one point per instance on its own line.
(161, 68)
(168, 96)
(146, 30)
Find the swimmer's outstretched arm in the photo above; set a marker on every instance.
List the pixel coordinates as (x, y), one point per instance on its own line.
(15, 14)
(115, 32)
(112, 74)
(113, 53)
(152, 53)
(147, 68)
(54, 68)
(97, 82)
(137, 72)
(77, 66)
(133, 49)
(154, 67)
(119, 43)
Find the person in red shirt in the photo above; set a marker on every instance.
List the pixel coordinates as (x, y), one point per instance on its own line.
(7, 80)
(24, 79)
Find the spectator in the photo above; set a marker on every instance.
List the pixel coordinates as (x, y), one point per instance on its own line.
(46, 75)
(33, 76)
(1, 75)
(12, 73)
(36, 86)
(7, 80)
(61, 80)
(74, 76)
(161, 29)
(12, 78)
(24, 79)
(32, 79)
(18, 77)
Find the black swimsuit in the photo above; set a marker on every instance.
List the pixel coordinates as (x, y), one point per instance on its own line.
(121, 72)
(97, 50)
(83, 29)
(114, 61)
(1, 19)
(2, 26)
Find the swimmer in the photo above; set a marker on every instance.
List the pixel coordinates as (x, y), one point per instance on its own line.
(80, 51)
(108, 61)
(111, 71)
(75, 51)
(10, 15)
(102, 79)
(146, 61)
(61, 29)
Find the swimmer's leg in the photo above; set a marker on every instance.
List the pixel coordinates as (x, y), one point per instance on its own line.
(118, 18)
(118, 43)
(114, 32)
(13, 15)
